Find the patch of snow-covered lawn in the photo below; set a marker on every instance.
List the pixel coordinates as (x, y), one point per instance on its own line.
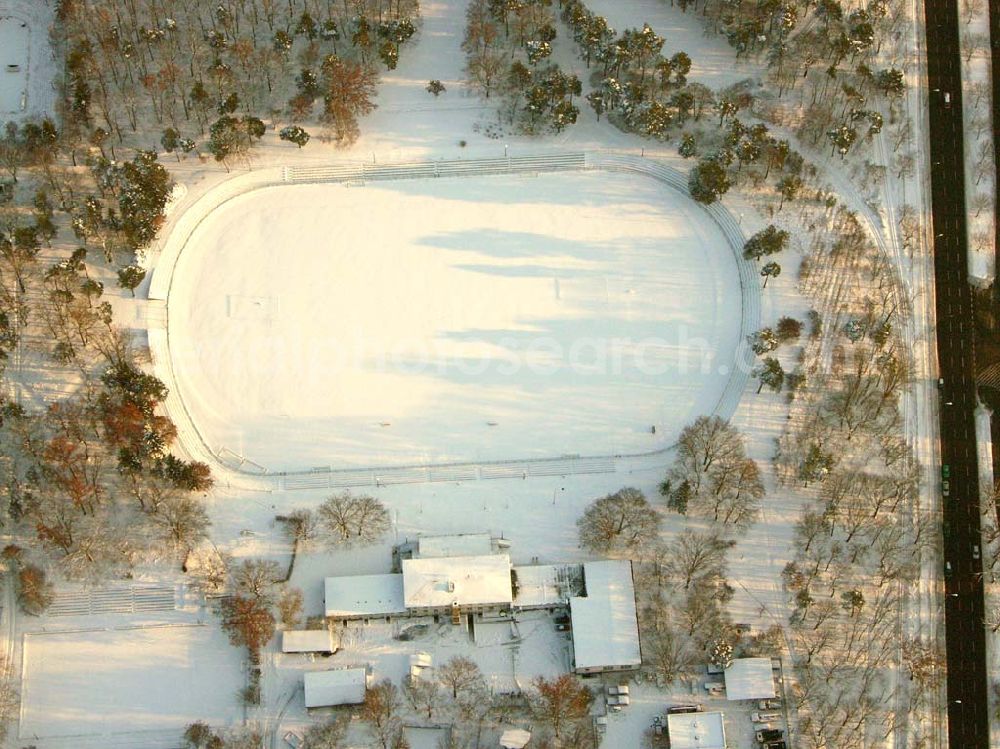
(110, 681)
(455, 319)
(15, 36)
(28, 91)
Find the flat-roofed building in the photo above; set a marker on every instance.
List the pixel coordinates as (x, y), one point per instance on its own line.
(696, 730)
(364, 596)
(750, 679)
(343, 686)
(442, 584)
(307, 641)
(605, 625)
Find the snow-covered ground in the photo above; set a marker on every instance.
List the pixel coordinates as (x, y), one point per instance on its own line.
(79, 682)
(15, 39)
(296, 305)
(980, 177)
(453, 319)
(27, 92)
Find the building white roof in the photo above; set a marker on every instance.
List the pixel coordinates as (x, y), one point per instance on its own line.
(750, 679)
(541, 585)
(605, 626)
(307, 641)
(364, 595)
(468, 581)
(514, 738)
(696, 731)
(345, 686)
(459, 545)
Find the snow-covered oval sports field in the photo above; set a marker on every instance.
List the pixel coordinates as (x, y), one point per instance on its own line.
(475, 318)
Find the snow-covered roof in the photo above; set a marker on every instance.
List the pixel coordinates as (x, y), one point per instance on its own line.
(345, 686)
(541, 585)
(750, 679)
(468, 581)
(514, 738)
(696, 731)
(307, 641)
(605, 626)
(364, 595)
(460, 545)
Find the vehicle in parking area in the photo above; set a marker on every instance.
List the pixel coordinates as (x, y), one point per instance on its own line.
(676, 709)
(768, 735)
(769, 705)
(975, 551)
(764, 717)
(775, 745)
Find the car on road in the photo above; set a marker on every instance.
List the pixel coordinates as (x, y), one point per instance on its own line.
(947, 569)
(947, 98)
(946, 471)
(945, 489)
(975, 551)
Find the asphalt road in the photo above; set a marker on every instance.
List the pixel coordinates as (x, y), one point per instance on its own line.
(968, 719)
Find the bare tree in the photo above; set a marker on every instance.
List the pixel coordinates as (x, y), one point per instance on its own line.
(924, 662)
(290, 607)
(703, 444)
(670, 656)
(561, 701)
(248, 622)
(623, 520)
(424, 695)
(182, 519)
(381, 712)
(328, 735)
(981, 201)
(257, 578)
(348, 519)
(735, 491)
(697, 556)
(34, 591)
(458, 674)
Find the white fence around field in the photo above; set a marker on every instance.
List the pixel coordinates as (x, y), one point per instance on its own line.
(358, 174)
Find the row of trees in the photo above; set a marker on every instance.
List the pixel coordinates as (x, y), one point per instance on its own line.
(89, 477)
(506, 47)
(712, 475)
(131, 66)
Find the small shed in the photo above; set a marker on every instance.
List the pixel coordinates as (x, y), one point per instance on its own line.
(515, 738)
(750, 679)
(345, 686)
(307, 641)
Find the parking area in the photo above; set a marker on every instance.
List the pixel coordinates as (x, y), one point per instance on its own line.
(637, 713)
